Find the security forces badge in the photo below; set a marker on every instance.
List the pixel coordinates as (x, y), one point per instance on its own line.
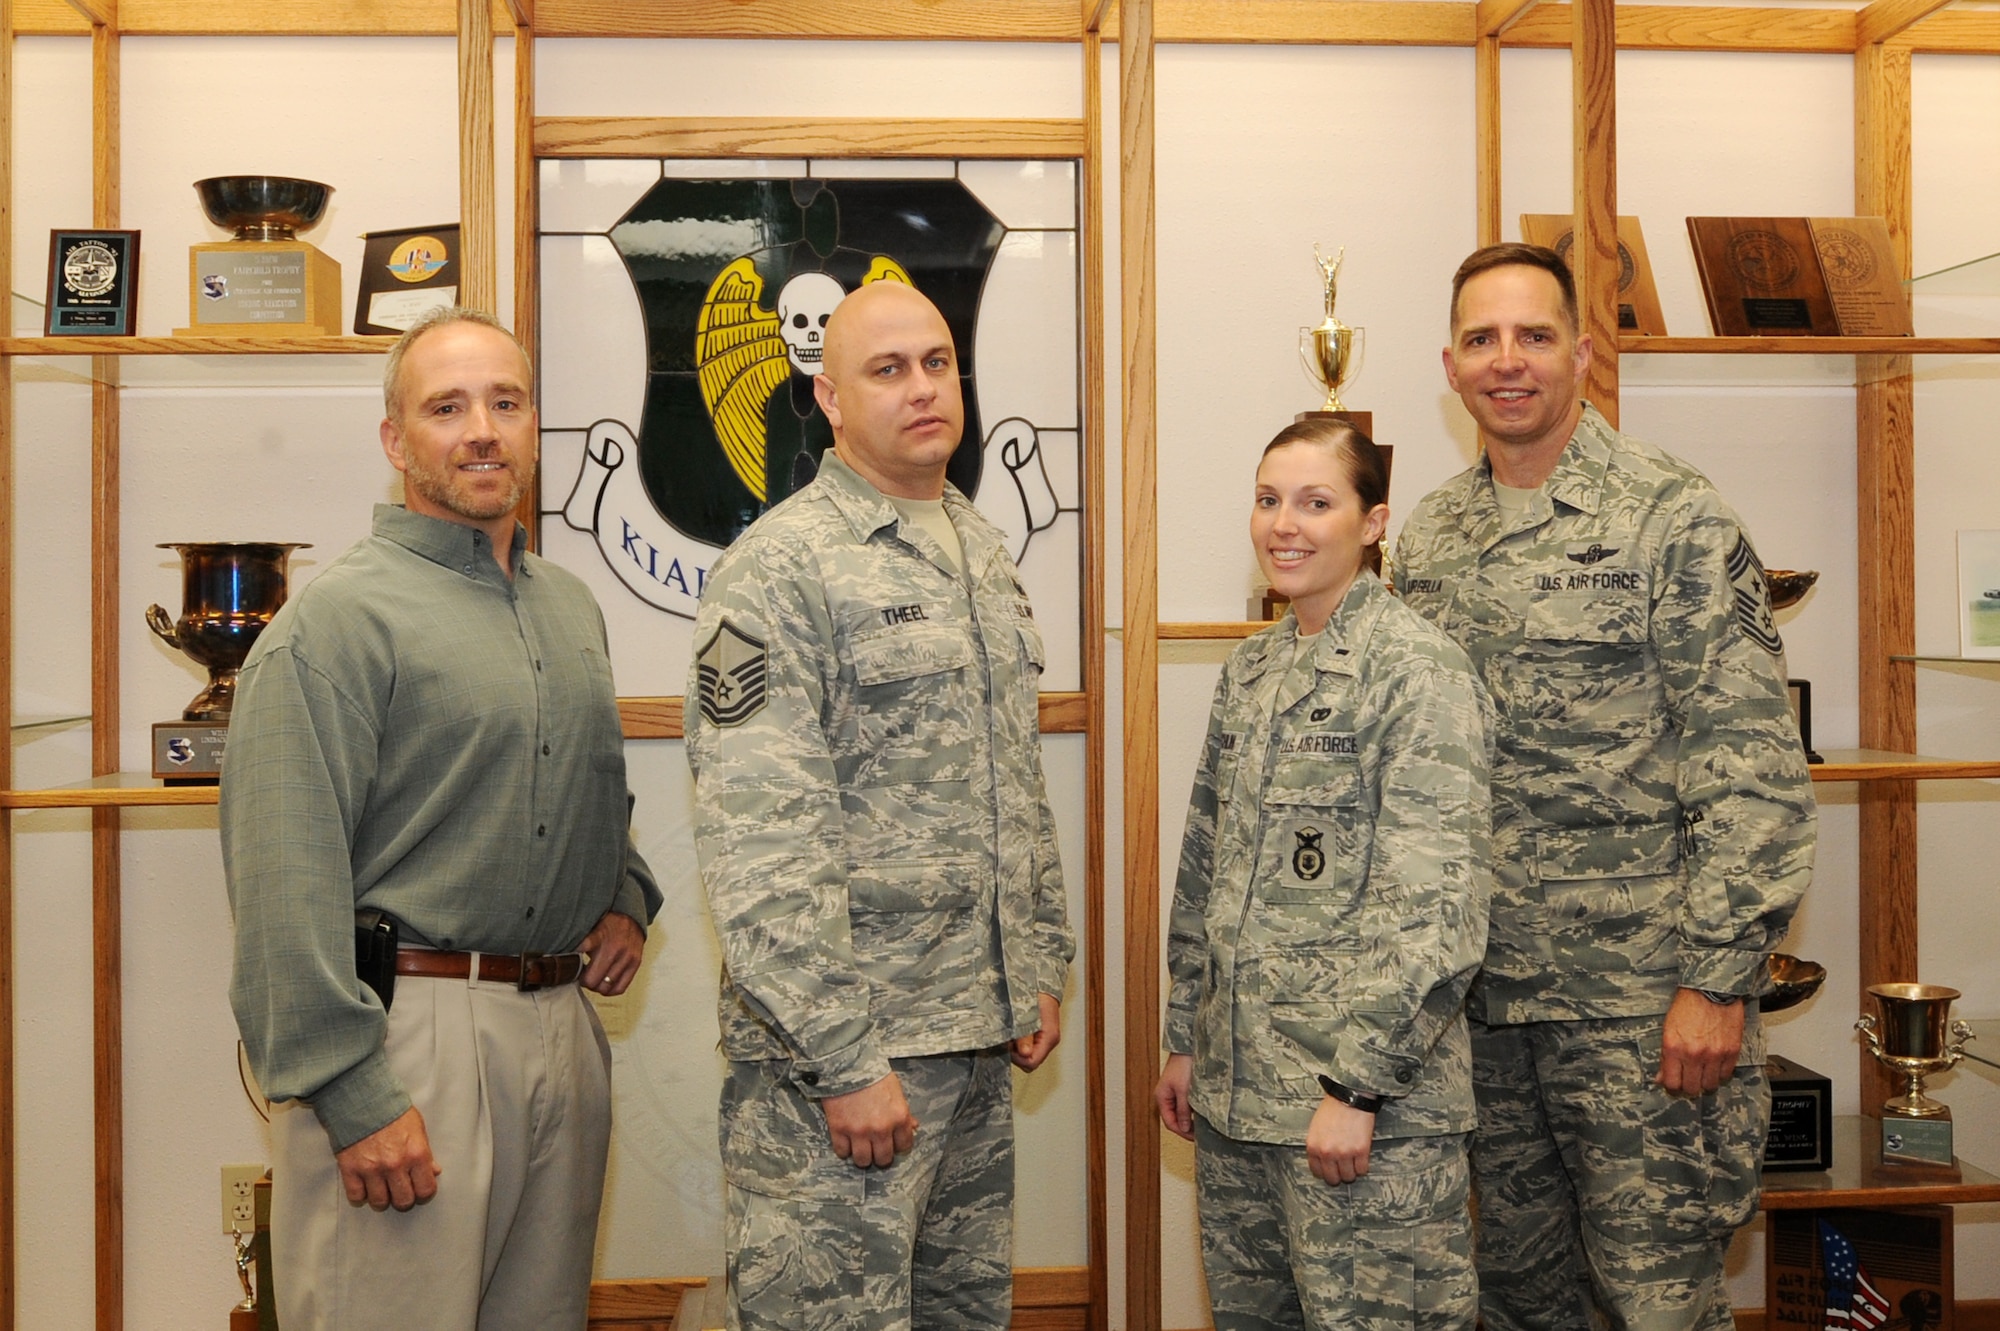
(1308, 856)
(730, 671)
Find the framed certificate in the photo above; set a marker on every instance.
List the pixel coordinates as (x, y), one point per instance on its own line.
(93, 284)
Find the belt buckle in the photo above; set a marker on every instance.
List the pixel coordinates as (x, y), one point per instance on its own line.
(529, 960)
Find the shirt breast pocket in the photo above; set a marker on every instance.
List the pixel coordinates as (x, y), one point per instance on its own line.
(911, 691)
(1315, 846)
(1591, 666)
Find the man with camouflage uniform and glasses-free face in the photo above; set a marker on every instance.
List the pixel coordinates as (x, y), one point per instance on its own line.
(880, 860)
(1653, 827)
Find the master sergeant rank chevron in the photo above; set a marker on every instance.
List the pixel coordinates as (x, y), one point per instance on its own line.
(731, 667)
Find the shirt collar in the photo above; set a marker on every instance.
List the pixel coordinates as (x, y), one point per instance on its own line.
(451, 545)
(867, 510)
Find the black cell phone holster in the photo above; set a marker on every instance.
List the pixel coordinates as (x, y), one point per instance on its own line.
(375, 953)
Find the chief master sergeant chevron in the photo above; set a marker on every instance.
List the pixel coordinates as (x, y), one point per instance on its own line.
(1653, 827)
(880, 860)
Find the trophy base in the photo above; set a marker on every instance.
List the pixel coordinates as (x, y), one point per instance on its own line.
(1919, 1144)
(188, 753)
(1801, 1135)
(1363, 421)
(261, 288)
(242, 1319)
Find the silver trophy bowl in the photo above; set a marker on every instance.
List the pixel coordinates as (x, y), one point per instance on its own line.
(262, 207)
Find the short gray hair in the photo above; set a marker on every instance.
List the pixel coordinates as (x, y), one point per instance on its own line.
(440, 317)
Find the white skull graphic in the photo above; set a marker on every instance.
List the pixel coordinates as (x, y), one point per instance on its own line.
(804, 306)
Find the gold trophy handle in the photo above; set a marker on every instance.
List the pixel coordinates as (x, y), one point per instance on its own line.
(1961, 1032)
(1867, 1028)
(162, 624)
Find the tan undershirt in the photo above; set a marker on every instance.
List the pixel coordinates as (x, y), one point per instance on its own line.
(930, 515)
(1513, 500)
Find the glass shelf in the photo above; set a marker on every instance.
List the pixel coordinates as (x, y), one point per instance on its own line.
(1926, 658)
(1974, 277)
(47, 723)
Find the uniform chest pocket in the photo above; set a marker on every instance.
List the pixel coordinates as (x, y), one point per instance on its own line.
(912, 719)
(1587, 666)
(1315, 843)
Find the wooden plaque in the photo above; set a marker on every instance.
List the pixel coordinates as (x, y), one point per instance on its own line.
(1762, 277)
(1638, 298)
(1862, 276)
(1859, 1268)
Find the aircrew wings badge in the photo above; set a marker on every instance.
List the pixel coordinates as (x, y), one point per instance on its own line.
(730, 672)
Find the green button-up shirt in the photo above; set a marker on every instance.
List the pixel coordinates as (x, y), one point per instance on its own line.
(415, 733)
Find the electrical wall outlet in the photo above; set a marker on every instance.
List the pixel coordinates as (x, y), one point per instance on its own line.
(239, 1197)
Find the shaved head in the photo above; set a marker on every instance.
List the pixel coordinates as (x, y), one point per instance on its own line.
(889, 387)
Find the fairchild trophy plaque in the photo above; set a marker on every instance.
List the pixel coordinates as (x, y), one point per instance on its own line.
(1910, 1038)
(266, 282)
(1332, 351)
(229, 592)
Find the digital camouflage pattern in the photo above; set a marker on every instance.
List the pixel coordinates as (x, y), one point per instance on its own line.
(875, 841)
(1653, 817)
(1286, 1251)
(1332, 899)
(818, 1245)
(1660, 1182)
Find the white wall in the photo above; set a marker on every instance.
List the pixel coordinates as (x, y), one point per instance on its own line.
(1261, 152)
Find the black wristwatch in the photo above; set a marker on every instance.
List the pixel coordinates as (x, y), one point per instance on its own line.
(1719, 998)
(1366, 1103)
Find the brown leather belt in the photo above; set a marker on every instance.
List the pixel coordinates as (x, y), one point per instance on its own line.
(528, 971)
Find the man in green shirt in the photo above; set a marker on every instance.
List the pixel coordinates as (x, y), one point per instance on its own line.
(429, 731)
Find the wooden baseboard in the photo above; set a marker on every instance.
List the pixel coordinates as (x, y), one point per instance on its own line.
(1046, 1298)
(1972, 1315)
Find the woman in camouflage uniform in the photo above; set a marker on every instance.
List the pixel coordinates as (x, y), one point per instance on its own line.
(1329, 915)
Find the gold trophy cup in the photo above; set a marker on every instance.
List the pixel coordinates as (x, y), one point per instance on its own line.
(1910, 1038)
(1332, 351)
(229, 591)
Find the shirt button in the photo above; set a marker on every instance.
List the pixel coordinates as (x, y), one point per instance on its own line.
(543, 830)
(1404, 1074)
(531, 912)
(809, 1078)
(545, 750)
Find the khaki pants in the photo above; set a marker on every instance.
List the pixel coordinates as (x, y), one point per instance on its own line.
(515, 1090)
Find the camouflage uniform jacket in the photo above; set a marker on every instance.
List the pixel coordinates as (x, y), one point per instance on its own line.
(1653, 818)
(1333, 892)
(865, 736)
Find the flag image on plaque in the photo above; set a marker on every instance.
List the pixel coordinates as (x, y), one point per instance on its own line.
(1855, 1270)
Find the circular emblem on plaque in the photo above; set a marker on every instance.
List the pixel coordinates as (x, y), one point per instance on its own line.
(90, 269)
(1628, 267)
(417, 258)
(1847, 257)
(1763, 260)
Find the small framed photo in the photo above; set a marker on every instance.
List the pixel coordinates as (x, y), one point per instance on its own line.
(93, 284)
(1979, 595)
(1801, 691)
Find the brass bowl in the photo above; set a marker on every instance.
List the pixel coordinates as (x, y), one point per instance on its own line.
(1793, 981)
(262, 207)
(1789, 586)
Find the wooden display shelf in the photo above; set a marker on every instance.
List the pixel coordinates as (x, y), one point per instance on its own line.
(1223, 631)
(194, 346)
(1880, 765)
(119, 790)
(1633, 344)
(1857, 1179)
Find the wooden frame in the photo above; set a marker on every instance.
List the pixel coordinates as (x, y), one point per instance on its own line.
(1881, 37)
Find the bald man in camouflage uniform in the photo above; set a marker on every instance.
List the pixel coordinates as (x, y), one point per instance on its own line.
(880, 861)
(1653, 827)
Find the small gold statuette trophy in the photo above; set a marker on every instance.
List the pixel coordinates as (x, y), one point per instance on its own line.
(229, 591)
(1910, 1039)
(243, 1317)
(265, 282)
(1332, 351)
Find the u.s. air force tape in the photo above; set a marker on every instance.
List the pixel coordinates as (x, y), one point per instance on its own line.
(730, 674)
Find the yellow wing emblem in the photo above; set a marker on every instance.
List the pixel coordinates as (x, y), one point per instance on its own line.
(885, 269)
(740, 360)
